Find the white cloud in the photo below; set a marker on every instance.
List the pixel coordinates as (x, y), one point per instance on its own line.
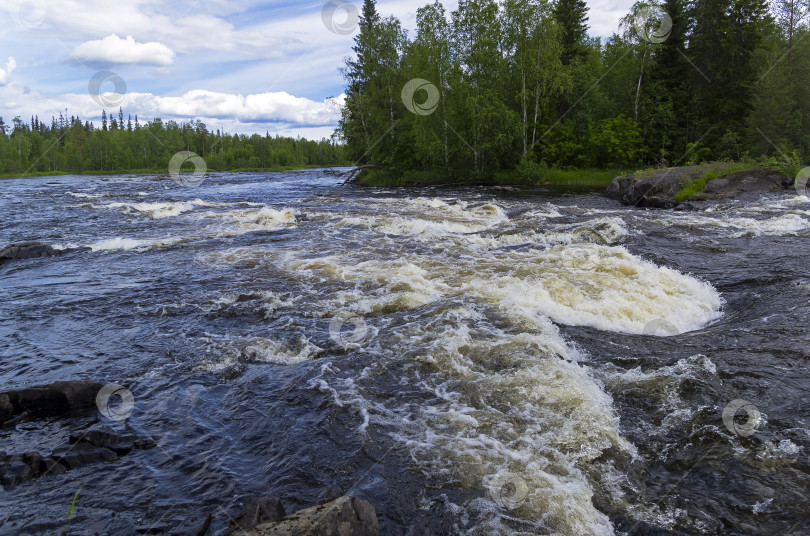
(5, 75)
(277, 107)
(273, 111)
(114, 50)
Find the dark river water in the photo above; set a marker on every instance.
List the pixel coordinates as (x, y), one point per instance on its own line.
(470, 361)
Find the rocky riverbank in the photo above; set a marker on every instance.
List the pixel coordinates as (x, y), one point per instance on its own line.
(73, 411)
(680, 188)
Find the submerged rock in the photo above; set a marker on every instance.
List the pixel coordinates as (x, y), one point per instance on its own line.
(346, 516)
(88, 445)
(658, 189)
(54, 400)
(26, 250)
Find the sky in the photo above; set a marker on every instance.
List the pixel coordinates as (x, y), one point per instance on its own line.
(243, 67)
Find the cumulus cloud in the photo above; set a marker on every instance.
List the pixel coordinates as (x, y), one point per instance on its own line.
(114, 50)
(279, 107)
(5, 74)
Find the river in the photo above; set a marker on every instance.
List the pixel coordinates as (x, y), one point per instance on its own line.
(470, 361)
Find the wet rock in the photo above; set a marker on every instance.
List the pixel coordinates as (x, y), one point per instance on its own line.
(193, 527)
(119, 442)
(56, 399)
(82, 454)
(26, 250)
(747, 182)
(658, 189)
(342, 517)
(13, 471)
(258, 511)
(6, 408)
(653, 189)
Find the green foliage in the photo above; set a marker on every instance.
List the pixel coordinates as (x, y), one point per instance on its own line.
(615, 142)
(520, 83)
(788, 164)
(72, 146)
(691, 189)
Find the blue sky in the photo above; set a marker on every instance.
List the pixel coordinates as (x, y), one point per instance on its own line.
(245, 66)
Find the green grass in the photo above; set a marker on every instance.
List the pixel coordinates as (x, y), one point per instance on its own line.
(691, 189)
(717, 170)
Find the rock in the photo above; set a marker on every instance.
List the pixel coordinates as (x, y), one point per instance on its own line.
(658, 189)
(193, 526)
(13, 471)
(258, 511)
(82, 454)
(6, 408)
(26, 250)
(745, 182)
(56, 399)
(118, 442)
(346, 516)
(654, 189)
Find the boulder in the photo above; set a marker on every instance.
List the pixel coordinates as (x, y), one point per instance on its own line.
(346, 516)
(653, 189)
(658, 189)
(54, 400)
(257, 512)
(193, 526)
(26, 250)
(747, 182)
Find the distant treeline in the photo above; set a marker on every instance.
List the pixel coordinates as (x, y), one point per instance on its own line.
(509, 84)
(70, 145)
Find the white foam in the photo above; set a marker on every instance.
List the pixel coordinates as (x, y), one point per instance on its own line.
(241, 221)
(264, 350)
(130, 244)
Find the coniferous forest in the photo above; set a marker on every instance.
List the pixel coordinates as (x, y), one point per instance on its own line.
(519, 85)
(125, 144)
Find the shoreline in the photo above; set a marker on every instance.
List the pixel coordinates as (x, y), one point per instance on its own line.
(277, 169)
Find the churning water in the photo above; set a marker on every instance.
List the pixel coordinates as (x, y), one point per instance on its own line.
(470, 361)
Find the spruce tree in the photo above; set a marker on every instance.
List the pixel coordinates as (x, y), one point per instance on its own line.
(572, 15)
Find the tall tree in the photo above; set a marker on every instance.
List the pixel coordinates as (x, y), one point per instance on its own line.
(572, 15)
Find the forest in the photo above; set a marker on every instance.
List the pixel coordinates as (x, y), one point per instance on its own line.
(70, 145)
(519, 85)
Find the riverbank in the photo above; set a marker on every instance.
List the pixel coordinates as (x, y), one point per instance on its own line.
(275, 169)
(534, 176)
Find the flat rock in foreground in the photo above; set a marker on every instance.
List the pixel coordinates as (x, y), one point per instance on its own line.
(658, 189)
(346, 516)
